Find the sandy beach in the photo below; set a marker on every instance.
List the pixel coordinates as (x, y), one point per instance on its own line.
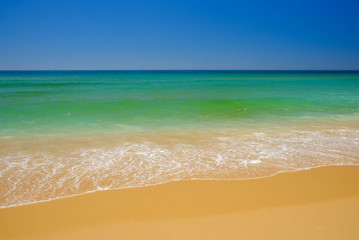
(321, 203)
(179, 120)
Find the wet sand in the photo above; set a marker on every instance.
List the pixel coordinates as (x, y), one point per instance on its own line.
(320, 203)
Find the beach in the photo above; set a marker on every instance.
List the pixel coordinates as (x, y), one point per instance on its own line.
(179, 154)
(176, 120)
(321, 203)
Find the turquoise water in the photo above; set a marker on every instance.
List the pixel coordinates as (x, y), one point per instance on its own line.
(37, 102)
(64, 133)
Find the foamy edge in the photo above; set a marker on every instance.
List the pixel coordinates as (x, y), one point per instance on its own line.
(175, 180)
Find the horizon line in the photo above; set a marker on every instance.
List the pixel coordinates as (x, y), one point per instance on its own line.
(331, 70)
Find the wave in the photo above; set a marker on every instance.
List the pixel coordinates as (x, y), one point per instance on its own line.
(37, 170)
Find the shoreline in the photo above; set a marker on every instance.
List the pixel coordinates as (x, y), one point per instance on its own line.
(207, 208)
(38, 170)
(177, 180)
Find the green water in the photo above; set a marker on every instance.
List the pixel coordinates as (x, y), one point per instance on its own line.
(56, 128)
(63, 102)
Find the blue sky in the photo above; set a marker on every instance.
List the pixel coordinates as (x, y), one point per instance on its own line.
(179, 34)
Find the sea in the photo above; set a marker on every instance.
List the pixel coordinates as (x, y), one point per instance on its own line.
(66, 133)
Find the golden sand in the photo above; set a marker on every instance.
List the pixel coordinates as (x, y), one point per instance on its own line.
(320, 203)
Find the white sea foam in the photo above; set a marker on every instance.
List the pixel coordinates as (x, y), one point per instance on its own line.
(41, 174)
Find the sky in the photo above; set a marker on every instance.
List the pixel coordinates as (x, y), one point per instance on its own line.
(179, 34)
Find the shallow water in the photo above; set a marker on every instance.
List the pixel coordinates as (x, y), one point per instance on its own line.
(65, 133)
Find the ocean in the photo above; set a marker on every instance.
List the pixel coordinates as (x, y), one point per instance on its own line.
(65, 133)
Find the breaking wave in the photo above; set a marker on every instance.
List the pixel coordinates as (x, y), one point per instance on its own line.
(47, 169)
